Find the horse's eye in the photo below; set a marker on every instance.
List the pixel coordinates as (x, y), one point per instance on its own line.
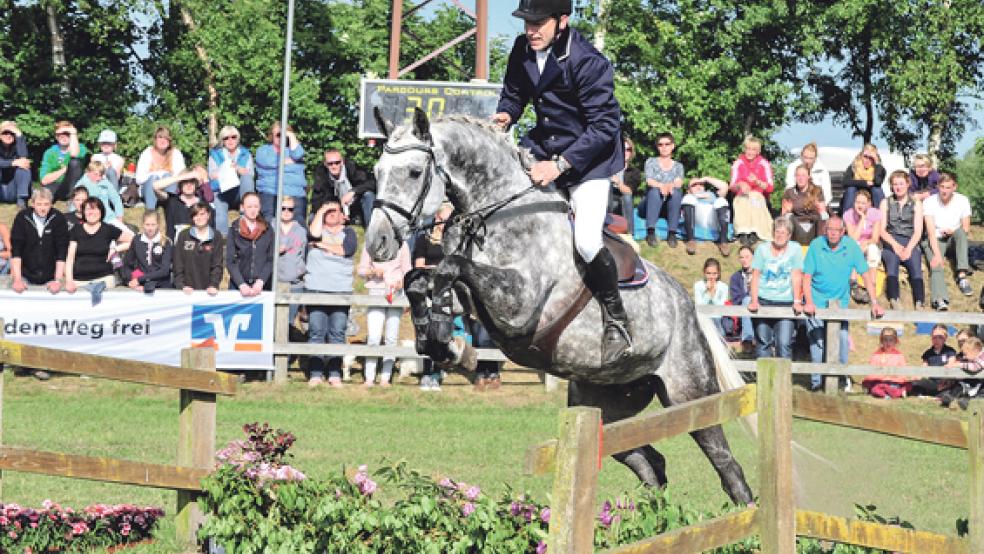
(414, 173)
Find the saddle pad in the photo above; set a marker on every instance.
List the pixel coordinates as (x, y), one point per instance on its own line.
(632, 272)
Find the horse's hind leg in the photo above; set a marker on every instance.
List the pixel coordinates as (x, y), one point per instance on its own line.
(618, 402)
(689, 376)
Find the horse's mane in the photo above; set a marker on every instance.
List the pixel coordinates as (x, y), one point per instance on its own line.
(491, 130)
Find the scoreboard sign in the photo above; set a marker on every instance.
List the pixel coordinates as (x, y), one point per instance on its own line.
(397, 99)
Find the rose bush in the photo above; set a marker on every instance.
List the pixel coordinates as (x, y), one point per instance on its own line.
(57, 529)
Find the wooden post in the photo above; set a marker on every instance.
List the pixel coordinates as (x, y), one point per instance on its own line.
(281, 333)
(975, 448)
(777, 510)
(572, 512)
(550, 382)
(832, 350)
(3, 375)
(196, 440)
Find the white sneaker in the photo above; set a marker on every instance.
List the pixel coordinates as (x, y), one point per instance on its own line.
(847, 384)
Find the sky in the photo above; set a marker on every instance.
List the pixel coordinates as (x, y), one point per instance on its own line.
(795, 135)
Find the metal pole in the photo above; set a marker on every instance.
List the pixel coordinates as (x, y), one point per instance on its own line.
(482, 40)
(281, 159)
(396, 29)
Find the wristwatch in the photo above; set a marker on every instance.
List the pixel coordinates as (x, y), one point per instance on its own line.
(562, 164)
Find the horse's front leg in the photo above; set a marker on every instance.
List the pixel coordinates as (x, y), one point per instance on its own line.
(442, 301)
(417, 286)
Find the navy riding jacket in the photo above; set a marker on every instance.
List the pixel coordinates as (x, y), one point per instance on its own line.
(577, 115)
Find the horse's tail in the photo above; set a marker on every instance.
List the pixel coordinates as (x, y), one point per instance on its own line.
(727, 374)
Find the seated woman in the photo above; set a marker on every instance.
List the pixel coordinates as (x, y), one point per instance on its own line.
(177, 205)
(147, 264)
(157, 161)
(230, 175)
(92, 245)
(711, 291)
(887, 355)
(777, 280)
(699, 198)
(865, 173)
(804, 206)
(664, 177)
(815, 170)
(901, 231)
(864, 225)
(923, 179)
(198, 254)
(751, 183)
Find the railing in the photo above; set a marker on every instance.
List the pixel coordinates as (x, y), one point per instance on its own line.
(199, 384)
(575, 458)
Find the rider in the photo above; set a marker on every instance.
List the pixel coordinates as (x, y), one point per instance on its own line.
(577, 140)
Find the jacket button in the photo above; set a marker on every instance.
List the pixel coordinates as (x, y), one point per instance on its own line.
(553, 137)
(546, 119)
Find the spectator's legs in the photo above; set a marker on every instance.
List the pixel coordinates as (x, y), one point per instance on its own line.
(962, 250)
(112, 177)
(148, 194)
(784, 330)
(723, 214)
(300, 210)
(937, 275)
(317, 333)
(337, 322)
(221, 204)
(375, 319)
(626, 212)
(816, 333)
(689, 210)
(654, 203)
(914, 266)
(877, 195)
(847, 200)
(873, 255)
(391, 337)
(15, 185)
(747, 327)
(891, 261)
(247, 183)
(765, 338)
(268, 205)
(72, 176)
(292, 309)
(673, 211)
(8, 189)
(365, 203)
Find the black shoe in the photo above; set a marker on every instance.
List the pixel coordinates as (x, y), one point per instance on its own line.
(602, 278)
(651, 239)
(941, 305)
(671, 240)
(963, 284)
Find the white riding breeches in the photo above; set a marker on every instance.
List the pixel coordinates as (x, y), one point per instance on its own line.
(589, 200)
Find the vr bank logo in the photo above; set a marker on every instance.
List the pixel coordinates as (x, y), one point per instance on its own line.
(227, 327)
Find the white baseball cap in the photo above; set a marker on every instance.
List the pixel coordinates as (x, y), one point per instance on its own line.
(106, 137)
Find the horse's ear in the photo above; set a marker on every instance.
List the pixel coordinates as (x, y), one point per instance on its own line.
(421, 126)
(384, 125)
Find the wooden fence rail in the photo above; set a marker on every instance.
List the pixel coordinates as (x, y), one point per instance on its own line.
(576, 456)
(199, 384)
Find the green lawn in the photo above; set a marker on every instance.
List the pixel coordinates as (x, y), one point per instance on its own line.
(478, 438)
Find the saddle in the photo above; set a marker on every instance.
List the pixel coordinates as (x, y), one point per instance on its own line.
(632, 273)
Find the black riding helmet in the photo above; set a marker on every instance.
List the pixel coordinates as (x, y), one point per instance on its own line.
(538, 10)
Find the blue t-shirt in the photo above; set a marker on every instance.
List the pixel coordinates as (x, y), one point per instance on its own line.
(832, 269)
(776, 281)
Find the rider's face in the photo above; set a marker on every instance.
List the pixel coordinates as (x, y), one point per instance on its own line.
(541, 34)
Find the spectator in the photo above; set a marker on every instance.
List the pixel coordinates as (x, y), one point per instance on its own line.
(107, 155)
(827, 268)
(700, 198)
(230, 175)
(624, 185)
(158, 161)
(98, 185)
(249, 252)
(427, 253)
(383, 279)
(815, 170)
(947, 217)
(887, 355)
(864, 226)
(267, 163)
(777, 280)
(147, 264)
(902, 229)
(15, 165)
(61, 165)
(329, 270)
(342, 179)
(79, 196)
(198, 254)
(4, 249)
(751, 183)
(970, 360)
(865, 173)
(711, 291)
(938, 354)
(923, 179)
(487, 372)
(177, 206)
(664, 179)
(739, 294)
(92, 248)
(38, 245)
(803, 203)
(293, 248)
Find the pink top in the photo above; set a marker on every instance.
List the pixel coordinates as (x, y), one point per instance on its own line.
(393, 271)
(760, 167)
(887, 358)
(872, 216)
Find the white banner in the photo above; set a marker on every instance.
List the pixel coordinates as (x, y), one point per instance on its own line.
(149, 328)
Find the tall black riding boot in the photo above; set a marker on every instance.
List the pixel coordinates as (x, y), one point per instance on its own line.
(723, 219)
(602, 279)
(689, 216)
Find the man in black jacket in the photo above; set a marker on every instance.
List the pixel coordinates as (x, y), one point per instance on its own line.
(341, 179)
(38, 245)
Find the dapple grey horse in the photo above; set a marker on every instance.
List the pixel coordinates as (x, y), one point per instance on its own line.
(509, 251)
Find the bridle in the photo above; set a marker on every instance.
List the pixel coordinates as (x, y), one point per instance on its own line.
(413, 215)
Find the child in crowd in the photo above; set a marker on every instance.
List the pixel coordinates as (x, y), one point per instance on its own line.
(938, 354)
(711, 291)
(971, 360)
(99, 187)
(739, 292)
(887, 355)
(73, 215)
(147, 264)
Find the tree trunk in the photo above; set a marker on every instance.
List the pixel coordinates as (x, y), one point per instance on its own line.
(936, 141)
(867, 92)
(602, 30)
(213, 94)
(57, 48)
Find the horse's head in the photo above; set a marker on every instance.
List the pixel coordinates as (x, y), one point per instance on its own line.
(410, 185)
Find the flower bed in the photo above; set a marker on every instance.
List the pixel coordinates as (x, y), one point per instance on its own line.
(258, 503)
(57, 529)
